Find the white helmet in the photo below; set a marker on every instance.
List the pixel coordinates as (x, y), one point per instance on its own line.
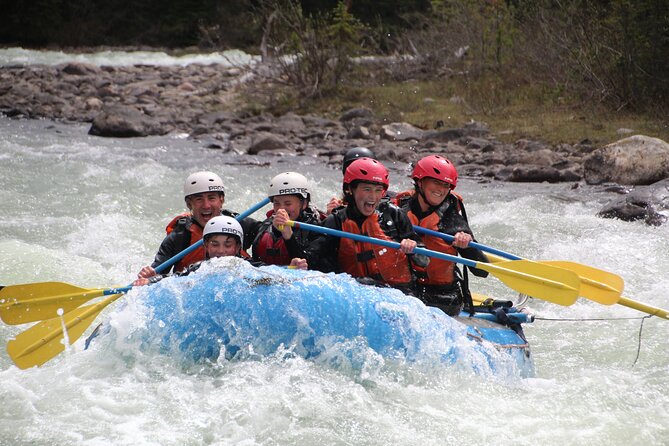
(289, 183)
(200, 182)
(224, 225)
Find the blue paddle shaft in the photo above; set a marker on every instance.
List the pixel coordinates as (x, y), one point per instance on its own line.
(450, 238)
(169, 262)
(387, 243)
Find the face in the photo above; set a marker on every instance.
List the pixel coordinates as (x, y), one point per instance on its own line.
(367, 196)
(435, 191)
(292, 204)
(222, 245)
(205, 206)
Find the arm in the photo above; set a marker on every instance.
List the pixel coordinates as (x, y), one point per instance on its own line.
(322, 251)
(455, 224)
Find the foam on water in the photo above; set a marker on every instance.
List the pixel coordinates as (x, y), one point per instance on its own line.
(22, 56)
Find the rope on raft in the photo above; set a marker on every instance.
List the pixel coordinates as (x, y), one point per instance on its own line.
(643, 319)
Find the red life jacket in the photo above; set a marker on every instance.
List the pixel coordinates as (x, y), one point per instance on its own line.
(270, 249)
(361, 259)
(195, 235)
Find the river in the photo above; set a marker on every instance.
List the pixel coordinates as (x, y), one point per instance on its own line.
(91, 211)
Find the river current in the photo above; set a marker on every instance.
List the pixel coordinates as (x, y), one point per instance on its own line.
(91, 211)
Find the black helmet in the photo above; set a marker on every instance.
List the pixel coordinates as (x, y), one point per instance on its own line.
(355, 153)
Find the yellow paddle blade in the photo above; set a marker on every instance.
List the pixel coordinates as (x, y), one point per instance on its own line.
(30, 302)
(45, 340)
(596, 284)
(640, 306)
(544, 282)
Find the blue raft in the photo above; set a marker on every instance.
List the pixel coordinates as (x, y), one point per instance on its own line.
(229, 310)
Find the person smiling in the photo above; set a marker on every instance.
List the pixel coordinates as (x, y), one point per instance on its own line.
(223, 237)
(367, 212)
(433, 205)
(204, 195)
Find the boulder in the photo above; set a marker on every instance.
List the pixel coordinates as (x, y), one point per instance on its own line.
(637, 160)
(648, 203)
(400, 131)
(124, 122)
(266, 141)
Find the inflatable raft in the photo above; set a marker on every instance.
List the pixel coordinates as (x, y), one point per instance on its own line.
(229, 310)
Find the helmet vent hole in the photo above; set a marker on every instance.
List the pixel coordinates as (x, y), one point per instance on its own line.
(437, 171)
(363, 171)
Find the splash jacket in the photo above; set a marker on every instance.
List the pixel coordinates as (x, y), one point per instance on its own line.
(183, 231)
(270, 247)
(361, 259)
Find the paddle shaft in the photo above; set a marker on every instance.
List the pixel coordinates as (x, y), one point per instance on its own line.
(450, 238)
(563, 283)
(645, 308)
(380, 242)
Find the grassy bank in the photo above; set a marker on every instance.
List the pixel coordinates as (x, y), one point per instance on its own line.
(511, 112)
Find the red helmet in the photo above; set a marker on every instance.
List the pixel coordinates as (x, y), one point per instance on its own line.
(437, 167)
(367, 170)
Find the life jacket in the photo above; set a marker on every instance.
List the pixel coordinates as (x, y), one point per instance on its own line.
(362, 259)
(438, 272)
(185, 223)
(269, 248)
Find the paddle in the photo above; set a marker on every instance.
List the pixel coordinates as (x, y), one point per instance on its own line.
(20, 304)
(534, 279)
(596, 284)
(44, 340)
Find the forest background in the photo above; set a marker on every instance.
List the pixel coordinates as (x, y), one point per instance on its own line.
(557, 70)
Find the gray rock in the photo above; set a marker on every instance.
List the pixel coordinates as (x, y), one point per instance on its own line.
(266, 142)
(647, 203)
(359, 112)
(534, 174)
(637, 160)
(443, 135)
(400, 131)
(124, 122)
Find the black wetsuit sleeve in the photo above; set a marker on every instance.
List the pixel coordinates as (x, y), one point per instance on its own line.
(453, 222)
(322, 252)
(294, 247)
(405, 228)
(171, 245)
(251, 228)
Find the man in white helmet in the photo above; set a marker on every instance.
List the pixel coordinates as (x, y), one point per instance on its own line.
(276, 242)
(204, 195)
(223, 237)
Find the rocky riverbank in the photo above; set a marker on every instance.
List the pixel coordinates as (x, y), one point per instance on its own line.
(135, 101)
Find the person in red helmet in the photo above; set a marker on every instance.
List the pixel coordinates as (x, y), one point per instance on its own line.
(433, 205)
(351, 155)
(366, 212)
